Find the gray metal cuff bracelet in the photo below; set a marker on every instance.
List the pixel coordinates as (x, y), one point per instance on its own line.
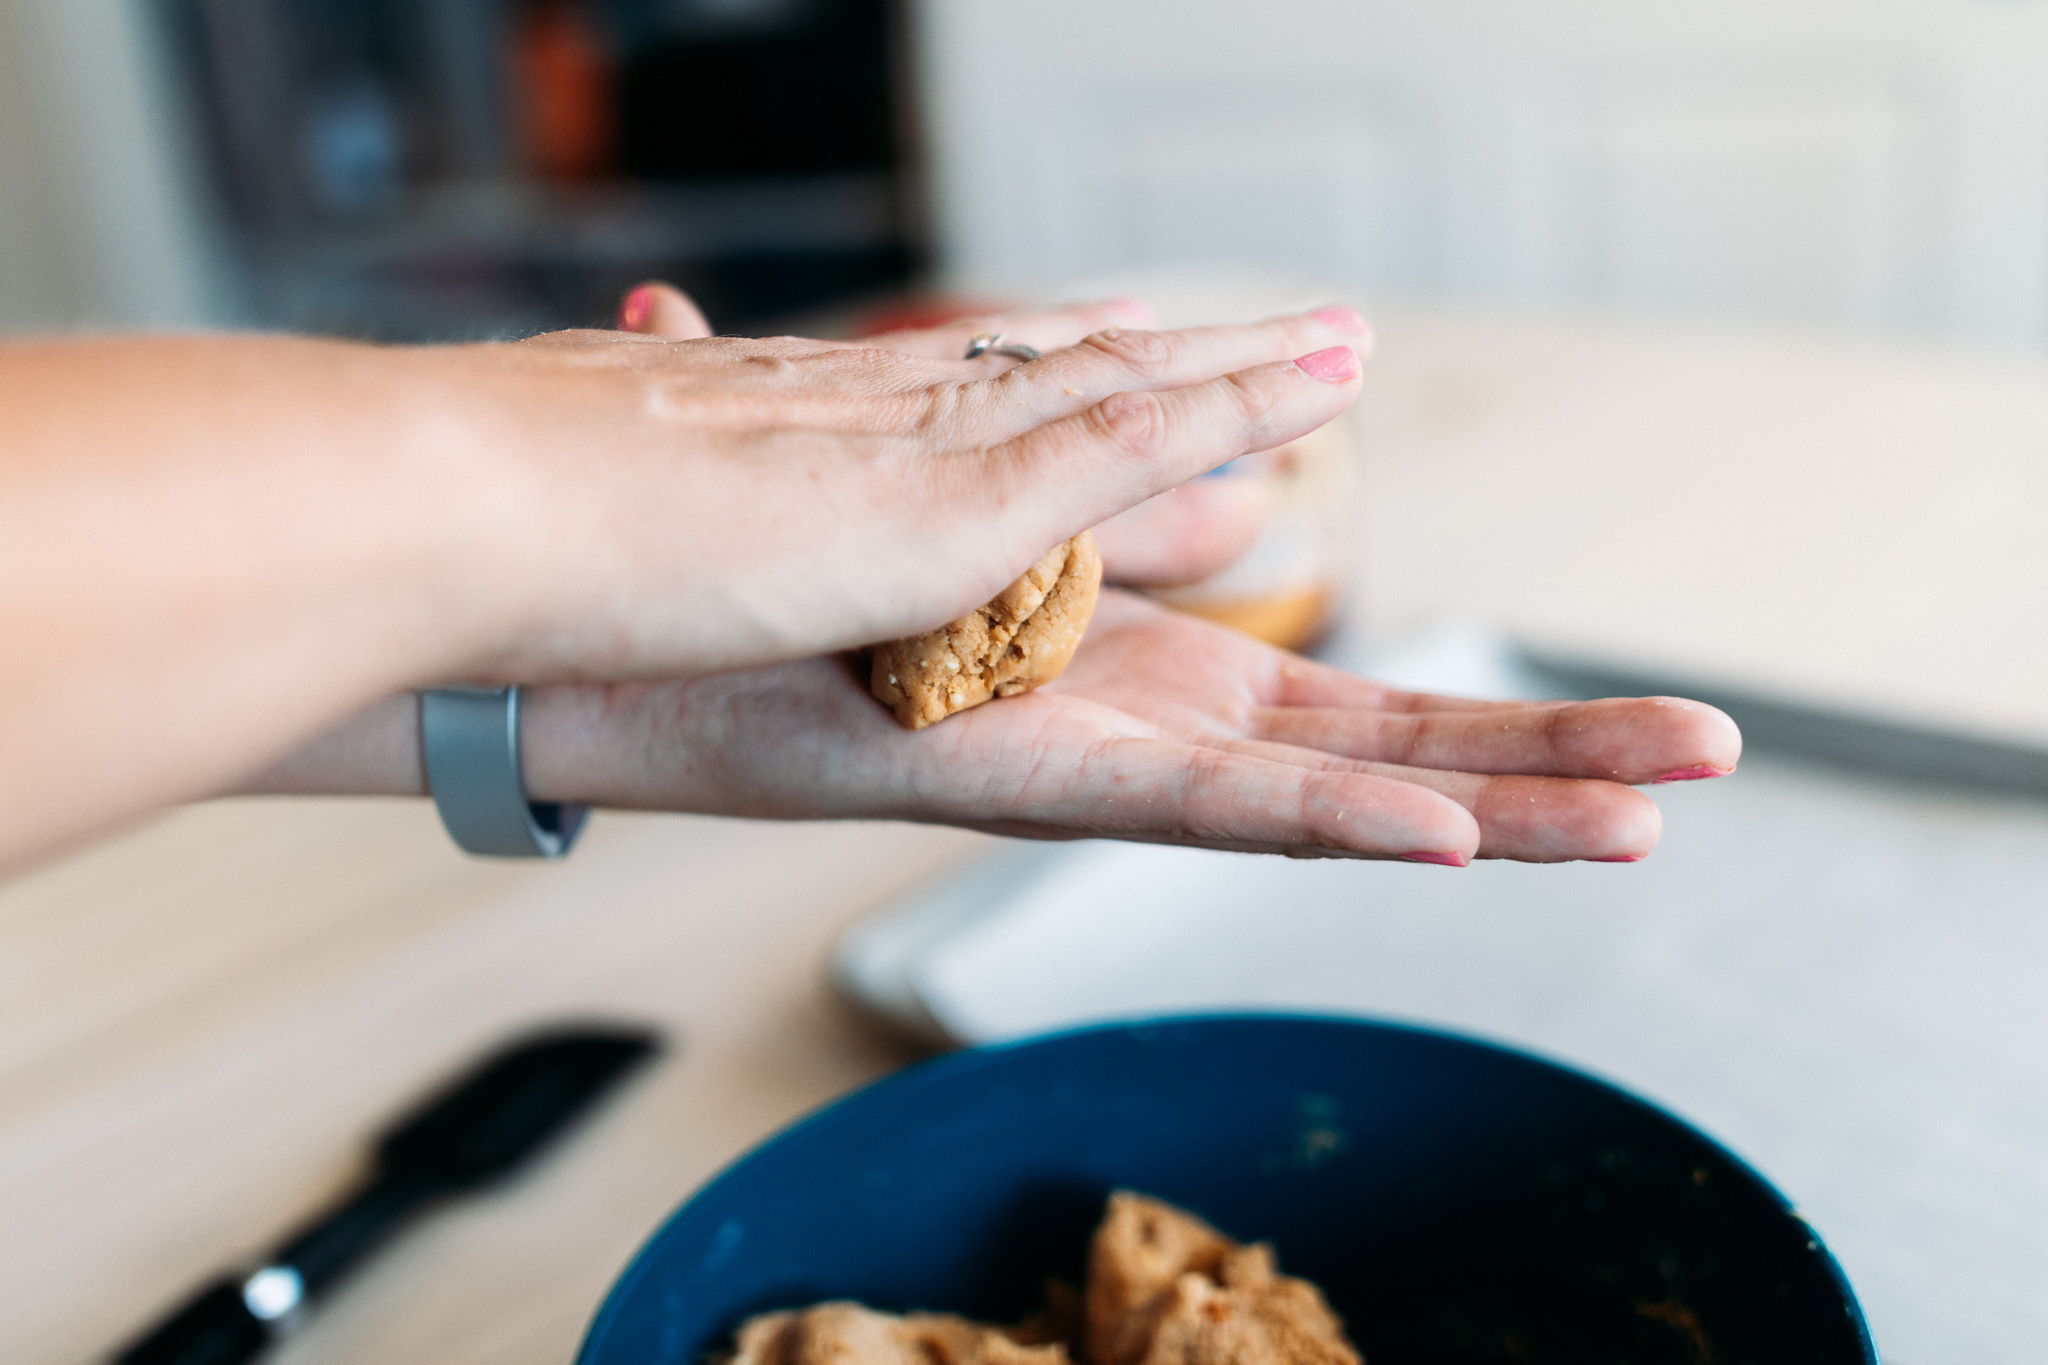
(469, 741)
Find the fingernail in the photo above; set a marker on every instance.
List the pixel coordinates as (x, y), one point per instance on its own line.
(635, 308)
(1694, 773)
(1333, 365)
(1620, 858)
(1340, 317)
(1441, 859)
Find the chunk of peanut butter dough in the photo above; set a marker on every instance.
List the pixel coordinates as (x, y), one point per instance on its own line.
(1022, 639)
(850, 1334)
(1165, 1288)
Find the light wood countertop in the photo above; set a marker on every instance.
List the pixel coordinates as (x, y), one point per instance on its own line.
(1850, 522)
(204, 1019)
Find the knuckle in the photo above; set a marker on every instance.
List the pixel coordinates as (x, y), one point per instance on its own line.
(1402, 738)
(1558, 731)
(770, 366)
(1144, 354)
(1134, 424)
(1255, 398)
(941, 413)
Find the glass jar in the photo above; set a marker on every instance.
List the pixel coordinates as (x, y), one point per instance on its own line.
(1289, 588)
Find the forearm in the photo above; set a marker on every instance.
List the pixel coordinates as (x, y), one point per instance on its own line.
(210, 550)
(375, 752)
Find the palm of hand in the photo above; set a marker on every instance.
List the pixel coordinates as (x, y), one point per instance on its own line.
(1171, 730)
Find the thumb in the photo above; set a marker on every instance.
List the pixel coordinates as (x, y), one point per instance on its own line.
(1183, 535)
(661, 310)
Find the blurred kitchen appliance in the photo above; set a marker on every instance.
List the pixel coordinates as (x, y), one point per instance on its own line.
(434, 169)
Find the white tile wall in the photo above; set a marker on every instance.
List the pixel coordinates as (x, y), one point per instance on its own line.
(1860, 162)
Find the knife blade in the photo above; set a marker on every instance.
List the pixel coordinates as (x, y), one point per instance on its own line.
(473, 1131)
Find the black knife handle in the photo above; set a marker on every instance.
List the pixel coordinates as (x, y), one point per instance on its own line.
(214, 1328)
(332, 1244)
(478, 1129)
(218, 1327)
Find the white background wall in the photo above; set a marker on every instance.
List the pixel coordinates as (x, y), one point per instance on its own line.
(97, 225)
(1840, 161)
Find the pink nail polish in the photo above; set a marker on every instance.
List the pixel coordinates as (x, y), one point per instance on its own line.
(1620, 858)
(1694, 773)
(1332, 365)
(635, 309)
(1440, 859)
(1340, 317)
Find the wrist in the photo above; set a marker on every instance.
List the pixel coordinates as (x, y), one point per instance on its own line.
(563, 746)
(375, 752)
(605, 546)
(567, 738)
(490, 530)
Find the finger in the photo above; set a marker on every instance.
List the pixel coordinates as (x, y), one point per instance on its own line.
(1304, 682)
(661, 310)
(1120, 359)
(1629, 740)
(1050, 330)
(1526, 819)
(1083, 469)
(1188, 533)
(1165, 791)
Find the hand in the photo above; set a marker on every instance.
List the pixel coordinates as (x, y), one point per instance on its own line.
(1164, 729)
(217, 547)
(1184, 534)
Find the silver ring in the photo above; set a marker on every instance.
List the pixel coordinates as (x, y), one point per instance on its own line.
(992, 343)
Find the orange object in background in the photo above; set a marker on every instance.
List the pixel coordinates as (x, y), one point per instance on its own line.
(1298, 620)
(914, 312)
(1288, 590)
(564, 85)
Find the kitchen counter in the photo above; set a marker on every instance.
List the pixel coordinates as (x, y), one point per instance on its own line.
(1856, 524)
(204, 1019)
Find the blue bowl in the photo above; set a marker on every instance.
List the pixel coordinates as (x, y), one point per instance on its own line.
(1457, 1202)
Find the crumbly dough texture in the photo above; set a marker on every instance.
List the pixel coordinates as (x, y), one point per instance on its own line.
(1165, 1288)
(848, 1334)
(1019, 641)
